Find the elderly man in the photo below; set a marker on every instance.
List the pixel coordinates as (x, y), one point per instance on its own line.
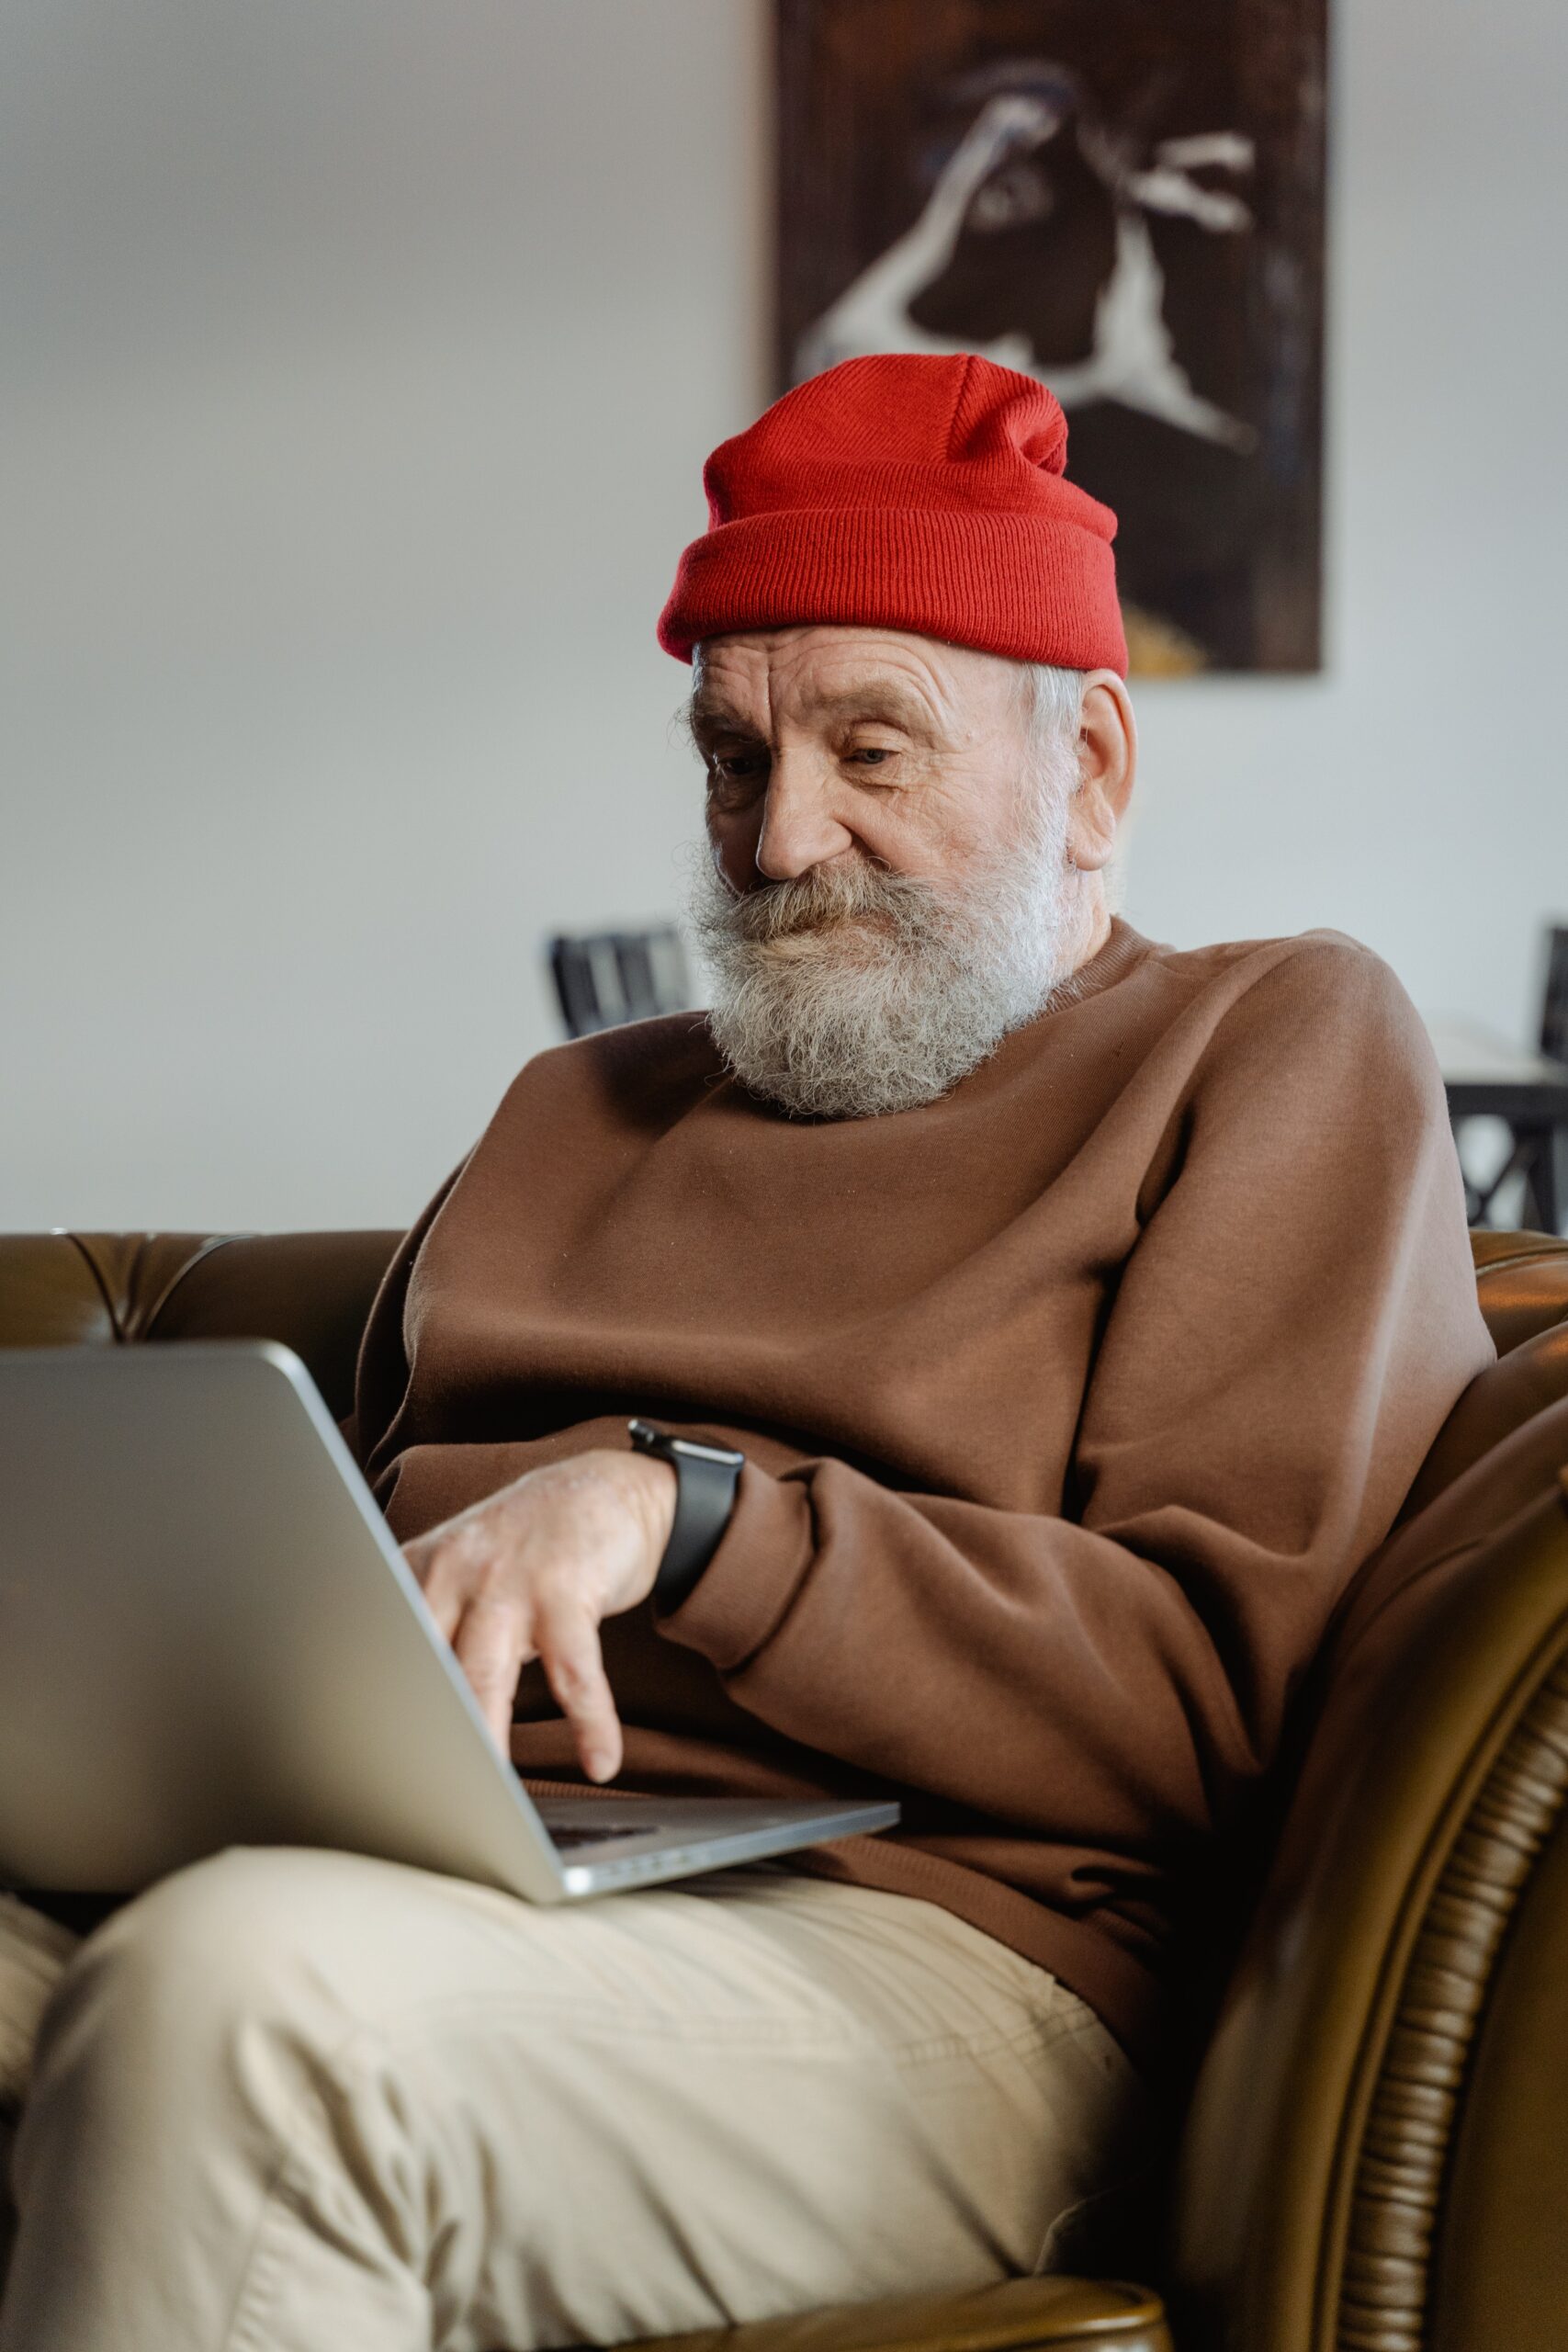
(1081, 1310)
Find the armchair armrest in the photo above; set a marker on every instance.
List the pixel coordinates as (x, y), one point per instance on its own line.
(1365, 2081)
(1017, 2316)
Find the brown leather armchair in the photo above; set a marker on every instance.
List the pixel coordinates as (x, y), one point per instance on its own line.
(1375, 2156)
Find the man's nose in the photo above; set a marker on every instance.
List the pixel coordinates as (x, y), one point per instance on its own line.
(799, 830)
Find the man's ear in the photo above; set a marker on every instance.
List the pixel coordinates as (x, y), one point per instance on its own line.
(1108, 763)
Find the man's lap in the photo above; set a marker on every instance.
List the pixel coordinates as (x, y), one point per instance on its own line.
(485, 2122)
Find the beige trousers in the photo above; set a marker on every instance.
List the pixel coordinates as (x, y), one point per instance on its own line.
(295, 2102)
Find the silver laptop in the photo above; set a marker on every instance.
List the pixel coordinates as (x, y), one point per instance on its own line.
(208, 1637)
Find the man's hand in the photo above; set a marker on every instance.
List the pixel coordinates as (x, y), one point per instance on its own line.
(532, 1571)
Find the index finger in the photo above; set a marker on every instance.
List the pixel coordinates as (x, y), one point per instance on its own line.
(566, 1636)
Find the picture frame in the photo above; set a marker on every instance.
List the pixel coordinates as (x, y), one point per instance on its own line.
(1125, 197)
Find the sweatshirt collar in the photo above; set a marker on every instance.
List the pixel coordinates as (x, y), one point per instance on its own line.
(1124, 948)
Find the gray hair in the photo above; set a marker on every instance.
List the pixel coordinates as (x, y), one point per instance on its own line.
(1053, 706)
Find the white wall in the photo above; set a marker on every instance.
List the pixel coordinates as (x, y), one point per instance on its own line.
(1416, 793)
(359, 359)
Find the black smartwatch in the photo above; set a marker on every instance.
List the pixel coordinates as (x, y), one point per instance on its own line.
(706, 1480)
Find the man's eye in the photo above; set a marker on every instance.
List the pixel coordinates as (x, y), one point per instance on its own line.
(872, 754)
(738, 765)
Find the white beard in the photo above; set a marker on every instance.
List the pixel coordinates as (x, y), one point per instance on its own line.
(854, 991)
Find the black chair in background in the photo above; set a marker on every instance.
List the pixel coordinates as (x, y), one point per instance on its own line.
(1554, 1005)
(604, 978)
(1555, 1047)
(1528, 1092)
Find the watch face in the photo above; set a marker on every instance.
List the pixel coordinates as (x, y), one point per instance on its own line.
(647, 1439)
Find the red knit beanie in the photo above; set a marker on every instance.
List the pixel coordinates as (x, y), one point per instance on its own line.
(906, 492)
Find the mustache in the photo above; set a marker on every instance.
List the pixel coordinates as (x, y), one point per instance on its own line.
(815, 900)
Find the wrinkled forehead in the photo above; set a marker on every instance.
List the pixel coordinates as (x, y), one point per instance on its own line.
(810, 675)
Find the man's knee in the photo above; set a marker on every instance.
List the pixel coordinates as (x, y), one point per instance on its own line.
(212, 2055)
(216, 1953)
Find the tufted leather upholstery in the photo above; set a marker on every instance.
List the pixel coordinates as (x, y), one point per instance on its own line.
(1375, 2158)
(312, 1290)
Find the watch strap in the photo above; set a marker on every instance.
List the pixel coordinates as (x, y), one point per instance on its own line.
(706, 1477)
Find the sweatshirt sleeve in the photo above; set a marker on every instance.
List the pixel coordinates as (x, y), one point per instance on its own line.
(1296, 1319)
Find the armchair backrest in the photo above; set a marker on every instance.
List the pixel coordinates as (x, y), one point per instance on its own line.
(311, 1290)
(1376, 2156)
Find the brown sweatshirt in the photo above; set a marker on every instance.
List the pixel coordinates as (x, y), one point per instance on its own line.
(1070, 1403)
